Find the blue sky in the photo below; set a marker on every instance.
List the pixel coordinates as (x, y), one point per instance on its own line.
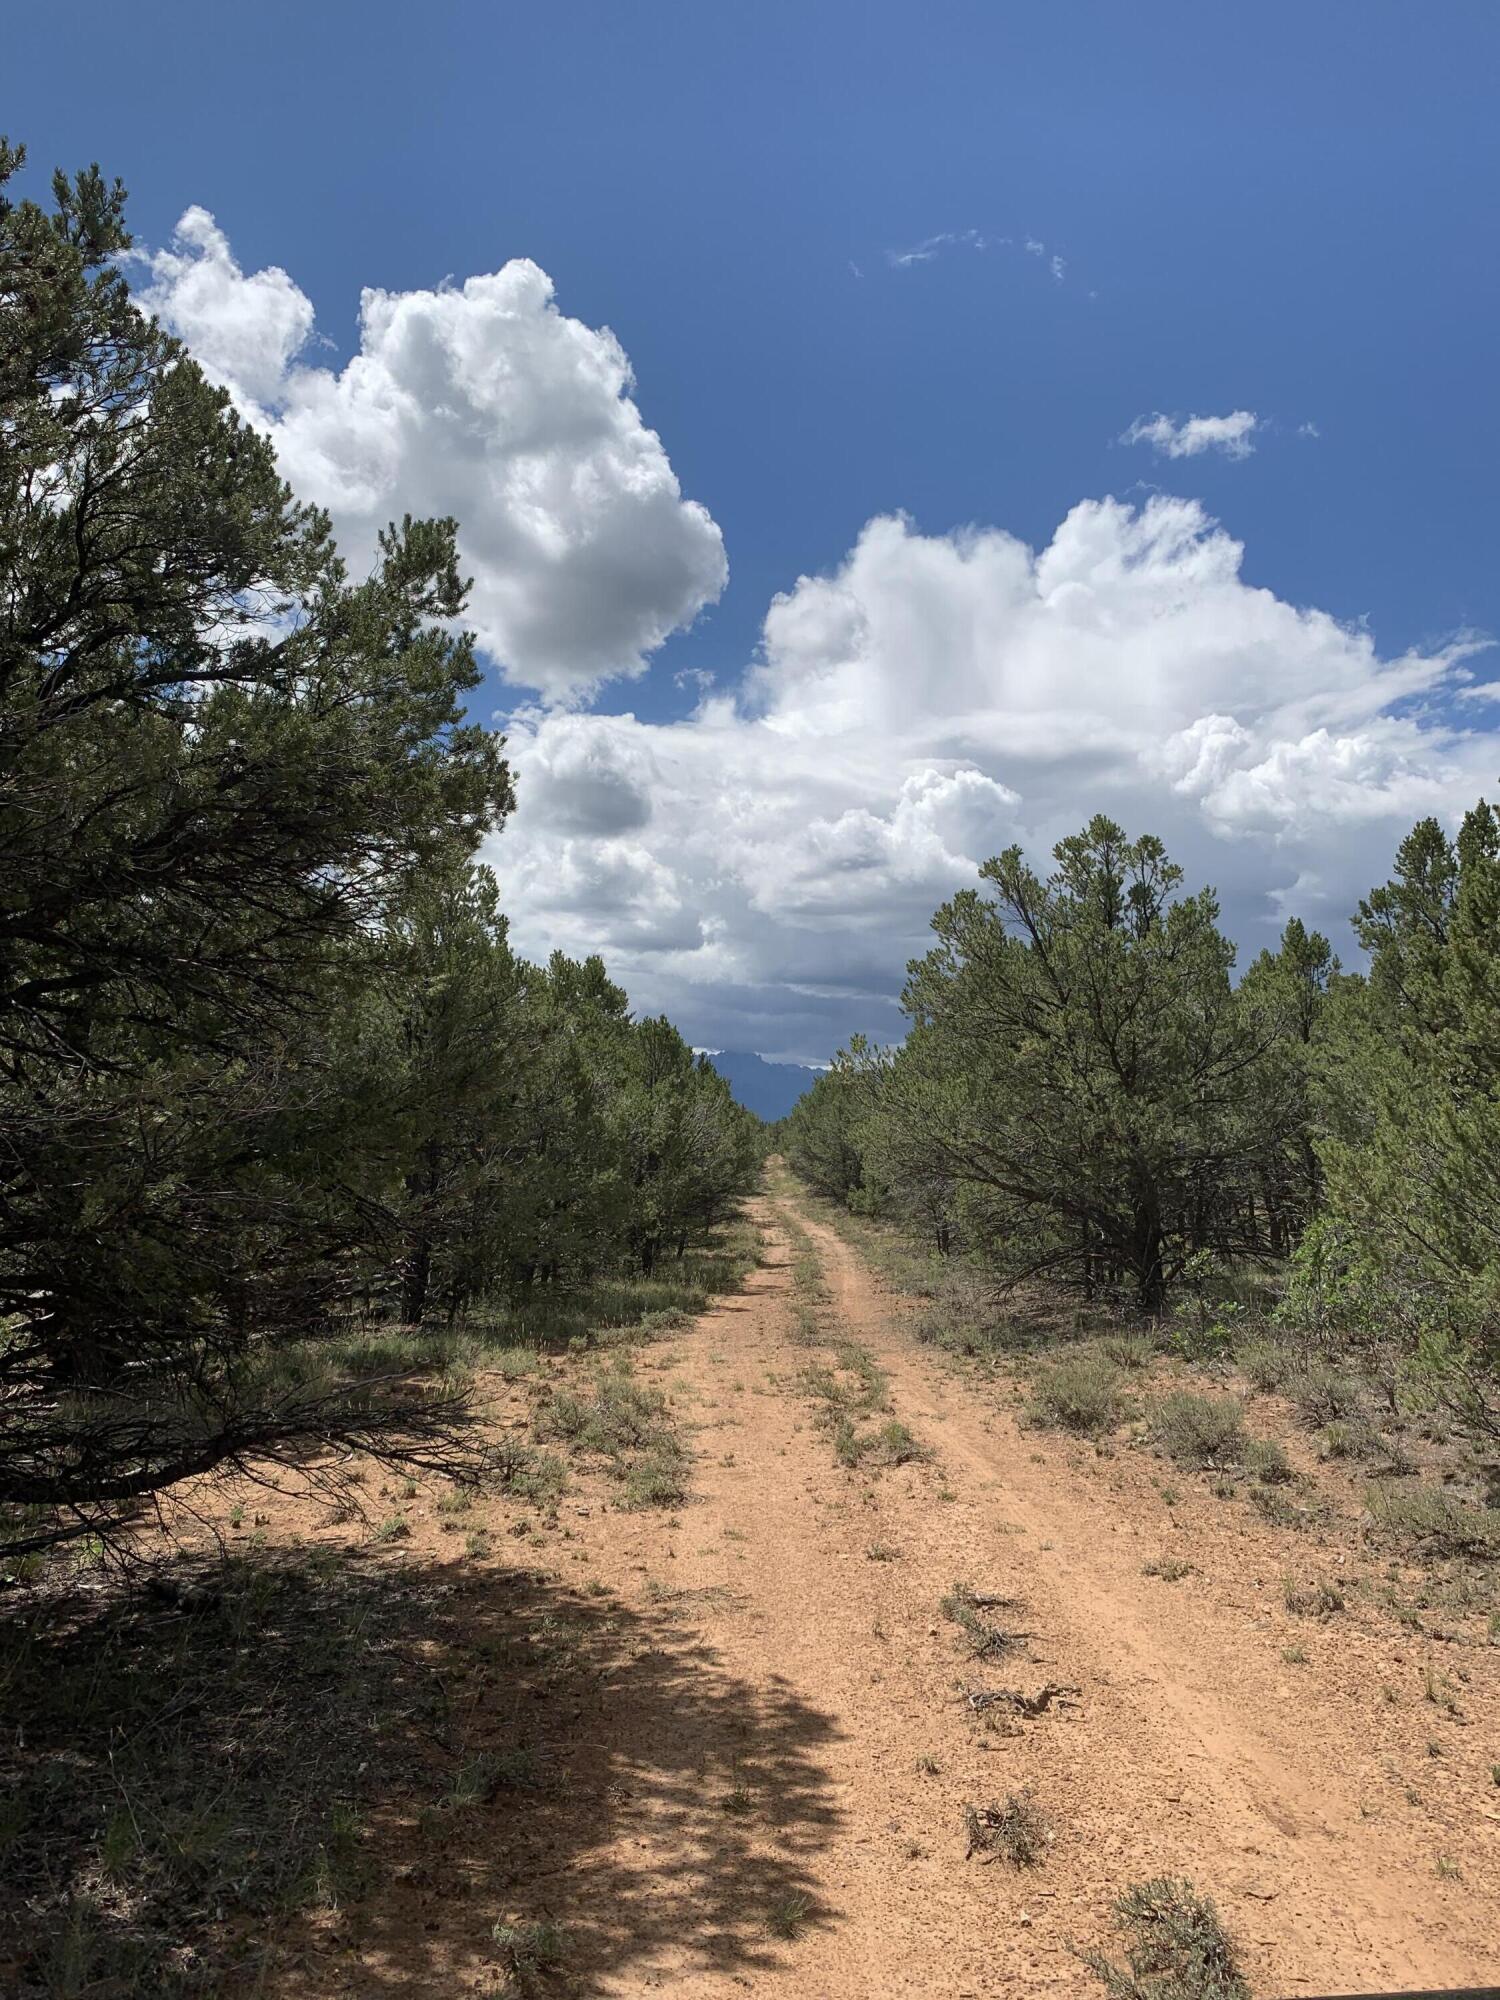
(1281, 210)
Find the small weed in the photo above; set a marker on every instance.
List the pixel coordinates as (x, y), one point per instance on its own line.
(788, 1915)
(929, 1767)
(739, 1803)
(1176, 1949)
(1013, 1831)
(1171, 1569)
(1447, 1870)
(1313, 1600)
(236, 1517)
(1295, 1656)
(1276, 1508)
(1170, 1496)
(476, 1544)
(394, 1528)
(528, 1952)
(881, 1552)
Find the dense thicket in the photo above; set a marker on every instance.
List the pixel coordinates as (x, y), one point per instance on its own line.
(267, 1060)
(1086, 1093)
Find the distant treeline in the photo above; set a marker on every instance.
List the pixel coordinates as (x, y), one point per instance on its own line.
(269, 1068)
(1087, 1097)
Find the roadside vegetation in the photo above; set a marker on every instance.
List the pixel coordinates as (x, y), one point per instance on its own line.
(1247, 1226)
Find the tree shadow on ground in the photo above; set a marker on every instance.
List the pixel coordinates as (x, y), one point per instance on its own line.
(338, 1773)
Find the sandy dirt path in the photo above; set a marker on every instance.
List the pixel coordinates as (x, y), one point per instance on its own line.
(1193, 1748)
(780, 1725)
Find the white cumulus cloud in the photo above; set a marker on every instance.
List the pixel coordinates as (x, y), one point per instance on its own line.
(1232, 435)
(764, 868)
(483, 401)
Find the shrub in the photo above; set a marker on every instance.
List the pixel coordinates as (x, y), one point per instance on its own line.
(1266, 1460)
(1313, 1600)
(528, 1952)
(1266, 1364)
(1177, 1949)
(1128, 1350)
(1079, 1393)
(1350, 1438)
(1013, 1831)
(1435, 1521)
(1198, 1430)
(1324, 1394)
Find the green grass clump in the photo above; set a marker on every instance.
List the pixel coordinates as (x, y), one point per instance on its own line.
(1203, 1431)
(1079, 1393)
(1176, 1947)
(626, 1425)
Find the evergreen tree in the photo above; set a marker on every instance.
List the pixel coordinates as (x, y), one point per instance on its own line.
(1080, 1073)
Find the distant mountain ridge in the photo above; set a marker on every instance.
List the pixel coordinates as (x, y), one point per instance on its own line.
(769, 1089)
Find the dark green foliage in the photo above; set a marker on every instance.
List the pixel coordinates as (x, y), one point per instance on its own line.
(1083, 1093)
(269, 1070)
(1409, 1251)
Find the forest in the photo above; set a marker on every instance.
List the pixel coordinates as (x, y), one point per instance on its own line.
(272, 1075)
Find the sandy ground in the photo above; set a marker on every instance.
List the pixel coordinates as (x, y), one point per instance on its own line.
(766, 1714)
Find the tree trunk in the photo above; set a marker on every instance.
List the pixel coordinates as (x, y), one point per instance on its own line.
(414, 1282)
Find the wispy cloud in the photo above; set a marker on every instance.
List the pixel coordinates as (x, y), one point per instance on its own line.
(974, 239)
(946, 239)
(1232, 435)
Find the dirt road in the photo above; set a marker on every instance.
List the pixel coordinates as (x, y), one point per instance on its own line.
(782, 1738)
